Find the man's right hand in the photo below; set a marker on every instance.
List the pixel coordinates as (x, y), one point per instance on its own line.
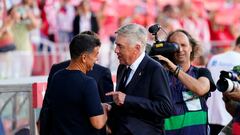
(118, 97)
(235, 95)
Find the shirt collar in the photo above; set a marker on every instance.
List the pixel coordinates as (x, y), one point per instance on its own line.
(87, 15)
(136, 63)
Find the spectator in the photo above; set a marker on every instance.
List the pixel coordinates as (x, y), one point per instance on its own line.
(6, 47)
(140, 102)
(24, 21)
(232, 104)
(85, 19)
(44, 22)
(220, 35)
(217, 115)
(65, 16)
(169, 18)
(189, 85)
(32, 7)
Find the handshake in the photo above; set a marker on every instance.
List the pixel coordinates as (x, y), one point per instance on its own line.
(106, 107)
(118, 99)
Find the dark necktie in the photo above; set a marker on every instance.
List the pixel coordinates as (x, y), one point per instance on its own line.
(124, 79)
(127, 73)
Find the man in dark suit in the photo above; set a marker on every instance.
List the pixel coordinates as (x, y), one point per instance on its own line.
(143, 98)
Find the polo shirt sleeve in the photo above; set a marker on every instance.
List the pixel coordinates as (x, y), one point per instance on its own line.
(92, 102)
(204, 72)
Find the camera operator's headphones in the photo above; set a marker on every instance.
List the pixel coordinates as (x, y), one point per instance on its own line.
(236, 69)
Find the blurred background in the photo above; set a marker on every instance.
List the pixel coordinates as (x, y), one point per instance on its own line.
(34, 34)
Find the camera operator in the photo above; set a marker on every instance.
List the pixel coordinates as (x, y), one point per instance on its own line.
(229, 85)
(232, 105)
(189, 86)
(217, 114)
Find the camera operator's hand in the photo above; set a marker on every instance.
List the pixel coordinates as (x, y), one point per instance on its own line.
(234, 95)
(230, 102)
(167, 63)
(198, 86)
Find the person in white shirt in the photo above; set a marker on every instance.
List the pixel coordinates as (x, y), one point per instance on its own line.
(65, 16)
(85, 19)
(218, 117)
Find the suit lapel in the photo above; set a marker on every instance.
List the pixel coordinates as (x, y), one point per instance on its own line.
(120, 73)
(138, 74)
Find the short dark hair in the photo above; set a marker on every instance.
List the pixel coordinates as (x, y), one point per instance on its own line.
(89, 33)
(168, 8)
(82, 43)
(238, 41)
(196, 49)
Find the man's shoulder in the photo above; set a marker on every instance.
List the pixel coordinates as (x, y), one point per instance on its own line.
(151, 63)
(217, 56)
(225, 54)
(223, 59)
(61, 65)
(99, 67)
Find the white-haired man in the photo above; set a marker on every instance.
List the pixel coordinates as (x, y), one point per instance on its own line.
(142, 97)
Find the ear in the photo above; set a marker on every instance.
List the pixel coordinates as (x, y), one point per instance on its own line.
(138, 47)
(83, 58)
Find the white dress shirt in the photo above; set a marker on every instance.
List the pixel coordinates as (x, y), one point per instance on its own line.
(134, 66)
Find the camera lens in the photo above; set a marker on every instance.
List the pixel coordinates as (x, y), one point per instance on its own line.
(222, 85)
(227, 85)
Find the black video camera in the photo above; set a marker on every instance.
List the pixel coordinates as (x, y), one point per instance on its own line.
(163, 48)
(229, 80)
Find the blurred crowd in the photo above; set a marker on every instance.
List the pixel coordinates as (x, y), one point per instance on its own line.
(25, 24)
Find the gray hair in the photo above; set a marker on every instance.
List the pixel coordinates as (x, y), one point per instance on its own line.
(135, 33)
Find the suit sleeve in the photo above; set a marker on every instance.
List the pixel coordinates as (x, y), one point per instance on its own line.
(44, 117)
(159, 101)
(106, 84)
(46, 98)
(92, 102)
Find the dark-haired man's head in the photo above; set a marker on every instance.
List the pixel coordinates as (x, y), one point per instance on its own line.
(82, 43)
(89, 33)
(85, 47)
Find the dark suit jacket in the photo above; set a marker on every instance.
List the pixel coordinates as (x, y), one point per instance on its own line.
(147, 102)
(94, 24)
(102, 76)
